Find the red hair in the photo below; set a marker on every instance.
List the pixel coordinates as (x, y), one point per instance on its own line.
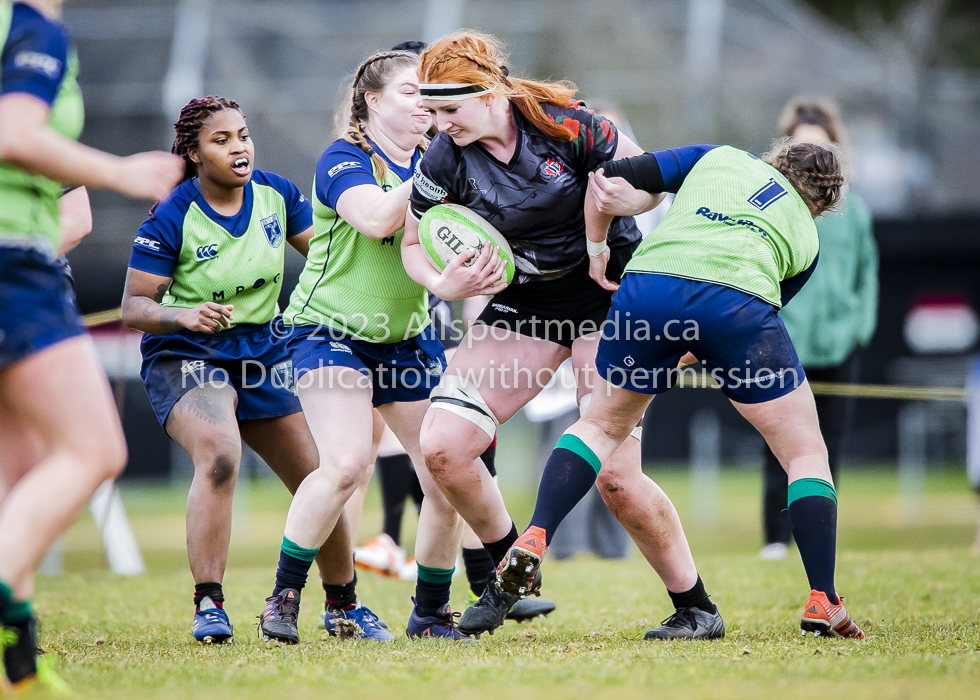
(478, 59)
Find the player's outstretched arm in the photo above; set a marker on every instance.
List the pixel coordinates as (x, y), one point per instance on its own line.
(28, 142)
(142, 310)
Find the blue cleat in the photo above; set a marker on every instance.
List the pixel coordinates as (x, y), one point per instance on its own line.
(355, 623)
(211, 626)
(441, 625)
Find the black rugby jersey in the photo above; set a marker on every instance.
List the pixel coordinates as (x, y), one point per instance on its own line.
(536, 200)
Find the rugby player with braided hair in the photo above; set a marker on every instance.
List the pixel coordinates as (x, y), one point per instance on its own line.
(203, 283)
(518, 153)
(737, 244)
(360, 337)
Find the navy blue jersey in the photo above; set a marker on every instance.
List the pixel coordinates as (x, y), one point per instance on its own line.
(536, 200)
(344, 165)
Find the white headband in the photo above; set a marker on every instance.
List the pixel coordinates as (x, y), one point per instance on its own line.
(452, 91)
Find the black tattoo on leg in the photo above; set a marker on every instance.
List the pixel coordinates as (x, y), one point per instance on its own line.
(207, 404)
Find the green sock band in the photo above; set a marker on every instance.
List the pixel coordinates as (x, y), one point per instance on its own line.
(430, 575)
(575, 444)
(801, 488)
(13, 610)
(301, 553)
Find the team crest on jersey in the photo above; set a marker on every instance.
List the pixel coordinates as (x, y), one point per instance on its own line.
(282, 375)
(431, 364)
(273, 231)
(552, 168)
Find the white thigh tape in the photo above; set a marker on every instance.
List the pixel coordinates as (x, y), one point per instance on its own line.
(459, 396)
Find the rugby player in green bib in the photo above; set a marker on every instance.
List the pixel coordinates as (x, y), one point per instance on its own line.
(359, 332)
(738, 242)
(50, 375)
(203, 284)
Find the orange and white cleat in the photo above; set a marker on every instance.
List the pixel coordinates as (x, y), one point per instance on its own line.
(824, 618)
(381, 555)
(518, 571)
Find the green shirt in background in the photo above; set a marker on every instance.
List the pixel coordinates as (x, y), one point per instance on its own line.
(837, 309)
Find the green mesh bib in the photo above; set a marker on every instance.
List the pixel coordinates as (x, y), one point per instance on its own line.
(355, 284)
(29, 203)
(736, 221)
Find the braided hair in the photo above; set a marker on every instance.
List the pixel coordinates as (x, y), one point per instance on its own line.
(816, 172)
(192, 118)
(372, 76)
(478, 59)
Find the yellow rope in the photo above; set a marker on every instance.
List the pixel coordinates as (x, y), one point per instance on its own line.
(864, 391)
(885, 391)
(100, 318)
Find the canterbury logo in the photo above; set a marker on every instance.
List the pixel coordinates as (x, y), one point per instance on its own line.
(207, 252)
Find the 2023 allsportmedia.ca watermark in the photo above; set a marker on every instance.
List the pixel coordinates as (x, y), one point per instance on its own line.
(376, 328)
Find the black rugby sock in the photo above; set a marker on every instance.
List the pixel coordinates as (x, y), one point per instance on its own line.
(479, 566)
(568, 476)
(294, 566)
(342, 596)
(696, 597)
(395, 474)
(498, 550)
(432, 590)
(210, 589)
(813, 517)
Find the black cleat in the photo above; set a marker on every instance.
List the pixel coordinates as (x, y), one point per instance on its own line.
(488, 613)
(690, 623)
(19, 643)
(527, 609)
(277, 623)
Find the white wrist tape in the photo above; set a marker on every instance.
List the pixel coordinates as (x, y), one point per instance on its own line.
(596, 248)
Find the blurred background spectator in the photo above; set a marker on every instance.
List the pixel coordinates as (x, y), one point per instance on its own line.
(831, 319)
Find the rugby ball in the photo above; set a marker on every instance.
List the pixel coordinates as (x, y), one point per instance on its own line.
(447, 230)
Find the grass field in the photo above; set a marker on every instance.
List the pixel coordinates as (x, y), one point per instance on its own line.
(908, 577)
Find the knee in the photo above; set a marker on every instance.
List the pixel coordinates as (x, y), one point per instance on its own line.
(223, 471)
(105, 457)
(116, 457)
(613, 431)
(218, 461)
(436, 453)
(810, 450)
(345, 474)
